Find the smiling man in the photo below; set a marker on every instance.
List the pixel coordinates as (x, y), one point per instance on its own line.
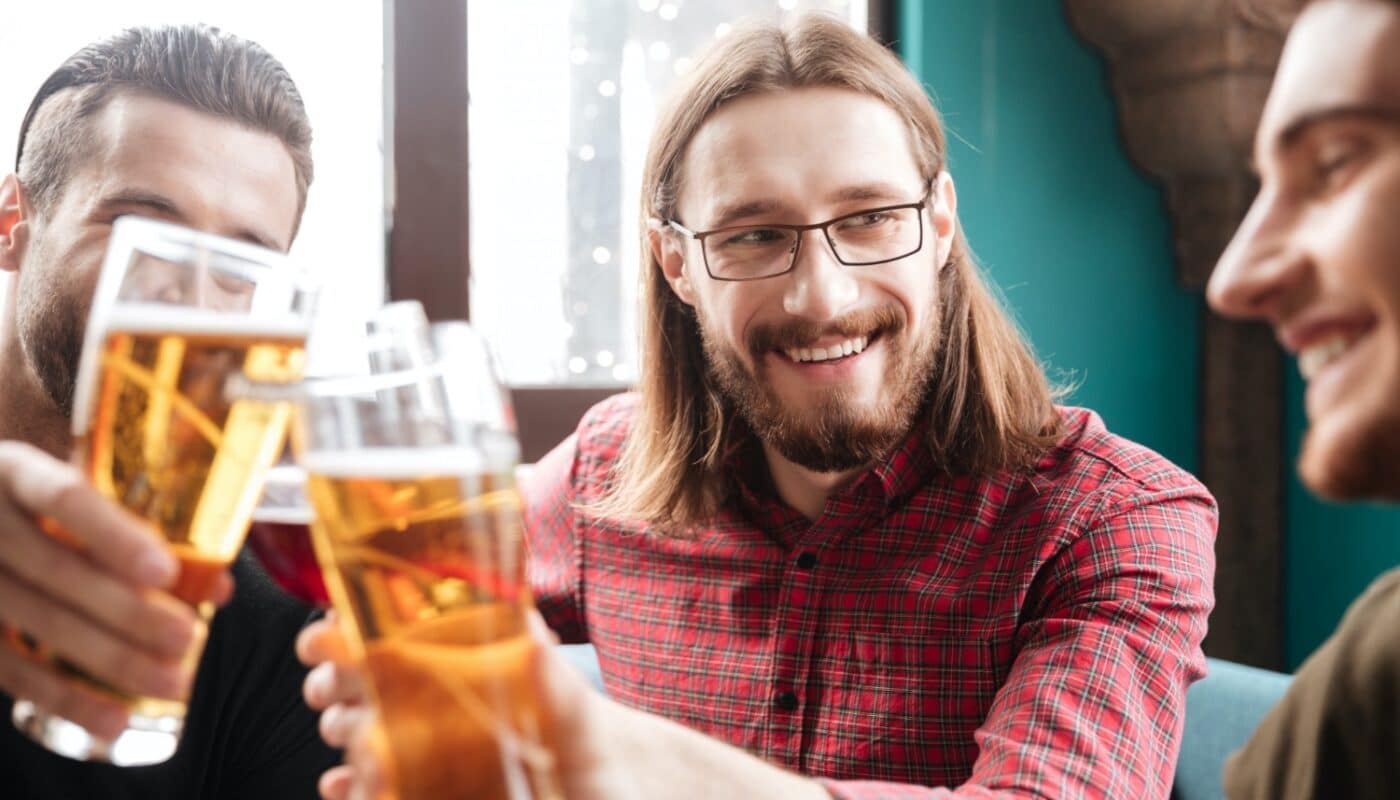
(842, 534)
(1318, 258)
(207, 130)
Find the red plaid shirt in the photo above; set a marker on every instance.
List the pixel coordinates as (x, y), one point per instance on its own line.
(1026, 635)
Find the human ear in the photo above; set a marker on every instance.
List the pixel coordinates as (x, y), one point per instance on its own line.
(668, 250)
(14, 223)
(943, 213)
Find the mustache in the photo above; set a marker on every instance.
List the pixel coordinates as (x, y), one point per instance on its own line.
(766, 337)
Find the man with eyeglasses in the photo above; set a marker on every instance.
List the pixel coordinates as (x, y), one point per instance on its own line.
(841, 542)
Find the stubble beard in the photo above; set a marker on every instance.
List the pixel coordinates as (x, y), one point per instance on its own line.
(50, 322)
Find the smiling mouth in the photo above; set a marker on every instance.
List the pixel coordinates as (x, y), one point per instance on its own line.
(1314, 359)
(849, 347)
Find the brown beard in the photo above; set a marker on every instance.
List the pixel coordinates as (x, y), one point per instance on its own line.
(1361, 466)
(836, 435)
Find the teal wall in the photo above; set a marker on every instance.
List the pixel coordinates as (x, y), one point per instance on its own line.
(1076, 238)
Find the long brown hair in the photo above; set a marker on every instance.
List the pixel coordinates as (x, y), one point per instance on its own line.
(990, 406)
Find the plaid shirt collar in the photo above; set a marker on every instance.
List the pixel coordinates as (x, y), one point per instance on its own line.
(886, 484)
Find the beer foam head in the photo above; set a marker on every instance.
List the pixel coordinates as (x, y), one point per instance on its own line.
(284, 516)
(396, 463)
(161, 318)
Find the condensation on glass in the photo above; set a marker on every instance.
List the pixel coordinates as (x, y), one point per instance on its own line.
(563, 95)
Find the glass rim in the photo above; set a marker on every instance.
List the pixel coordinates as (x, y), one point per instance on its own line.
(320, 388)
(161, 239)
(131, 233)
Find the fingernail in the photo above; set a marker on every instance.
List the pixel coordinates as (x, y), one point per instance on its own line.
(157, 568)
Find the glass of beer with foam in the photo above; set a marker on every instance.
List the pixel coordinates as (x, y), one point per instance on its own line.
(187, 336)
(420, 537)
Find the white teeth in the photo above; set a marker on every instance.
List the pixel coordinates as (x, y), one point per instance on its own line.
(1311, 360)
(846, 348)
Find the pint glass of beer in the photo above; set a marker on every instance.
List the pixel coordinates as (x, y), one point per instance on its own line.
(396, 337)
(187, 332)
(410, 473)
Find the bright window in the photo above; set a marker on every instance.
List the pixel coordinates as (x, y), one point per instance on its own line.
(342, 236)
(562, 101)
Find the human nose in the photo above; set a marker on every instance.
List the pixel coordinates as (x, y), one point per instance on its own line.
(1260, 268)
(820, 287)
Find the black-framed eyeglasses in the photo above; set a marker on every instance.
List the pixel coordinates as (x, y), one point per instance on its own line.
(860, 239)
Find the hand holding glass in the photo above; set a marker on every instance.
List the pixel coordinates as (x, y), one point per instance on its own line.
(410, 473)
(184, 325)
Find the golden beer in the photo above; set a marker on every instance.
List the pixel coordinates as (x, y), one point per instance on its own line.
(178, 441)
(426, 556)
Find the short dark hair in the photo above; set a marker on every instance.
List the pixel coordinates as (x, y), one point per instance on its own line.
(194, 65)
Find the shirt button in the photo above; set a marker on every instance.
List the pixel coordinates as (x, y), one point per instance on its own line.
(806, 561)
(786, 701)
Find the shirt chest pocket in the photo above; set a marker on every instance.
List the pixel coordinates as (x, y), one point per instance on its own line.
(919, 700)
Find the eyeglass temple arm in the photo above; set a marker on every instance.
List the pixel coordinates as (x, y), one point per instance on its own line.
(659, 225)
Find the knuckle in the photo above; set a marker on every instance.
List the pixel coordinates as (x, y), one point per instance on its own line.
(63, 488)
(329, 726)
(10, 451)
(54, 564)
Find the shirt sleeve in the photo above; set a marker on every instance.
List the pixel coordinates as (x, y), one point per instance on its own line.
(551, 539)
(1094, 702)
(1336, 733)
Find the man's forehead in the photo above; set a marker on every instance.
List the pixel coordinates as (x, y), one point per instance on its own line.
(197, 159)
(1340, 54)
(822, 150)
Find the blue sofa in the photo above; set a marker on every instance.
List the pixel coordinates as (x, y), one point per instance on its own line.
(1221, 712)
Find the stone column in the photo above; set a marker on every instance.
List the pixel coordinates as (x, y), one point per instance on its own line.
(1190, 78)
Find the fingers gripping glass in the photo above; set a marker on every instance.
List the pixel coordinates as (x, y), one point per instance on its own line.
(859, 239)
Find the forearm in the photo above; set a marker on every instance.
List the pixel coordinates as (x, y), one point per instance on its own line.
(661, 758)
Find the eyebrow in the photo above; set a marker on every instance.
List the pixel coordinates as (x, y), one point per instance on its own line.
(728, 214)
(165, 207)
(878, 190)
(1301, 124)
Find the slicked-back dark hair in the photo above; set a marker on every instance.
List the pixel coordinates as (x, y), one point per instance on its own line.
(197, 66)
